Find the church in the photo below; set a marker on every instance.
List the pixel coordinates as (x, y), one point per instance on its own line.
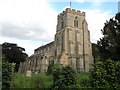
(71, 45)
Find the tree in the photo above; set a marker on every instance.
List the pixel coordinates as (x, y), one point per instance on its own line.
(95, 51)
(109, 44)
(14, 54)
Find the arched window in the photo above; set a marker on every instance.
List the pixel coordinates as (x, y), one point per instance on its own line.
(76, 22)
(51, 60)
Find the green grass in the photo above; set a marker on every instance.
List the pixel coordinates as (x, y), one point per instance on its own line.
(40, 80)
(22, 81)
(81, 76)
(35, 81)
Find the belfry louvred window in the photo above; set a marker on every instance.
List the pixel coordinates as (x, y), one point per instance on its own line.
(76, 22)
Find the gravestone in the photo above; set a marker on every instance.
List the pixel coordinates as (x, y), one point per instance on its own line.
(28, 73)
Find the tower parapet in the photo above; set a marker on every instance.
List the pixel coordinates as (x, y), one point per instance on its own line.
(72, 11)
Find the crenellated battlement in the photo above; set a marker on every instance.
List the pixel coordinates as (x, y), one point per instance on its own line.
(72, 11)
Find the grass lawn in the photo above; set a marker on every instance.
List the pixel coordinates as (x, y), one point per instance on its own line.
(81, 76)
(40, 80)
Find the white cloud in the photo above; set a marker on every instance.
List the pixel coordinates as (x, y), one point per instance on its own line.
(26, 22)
(96, 19)
(31, 23)
(32, 16)
(81, 1)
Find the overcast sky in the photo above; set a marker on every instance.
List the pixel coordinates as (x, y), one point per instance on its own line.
(32, 23)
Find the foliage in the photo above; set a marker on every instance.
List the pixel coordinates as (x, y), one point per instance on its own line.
(22, 81)
(85, 83)
(50, 69)
(64, 77)
(13, 53)
(82, 79)
(105, 75)
(95, 51)
(109, 44)
(42, 81)
(6, 73)
(39, 80)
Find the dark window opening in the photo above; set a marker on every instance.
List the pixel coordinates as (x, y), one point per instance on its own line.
(76, 22)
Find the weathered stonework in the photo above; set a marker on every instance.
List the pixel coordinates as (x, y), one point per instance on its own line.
(71, 46)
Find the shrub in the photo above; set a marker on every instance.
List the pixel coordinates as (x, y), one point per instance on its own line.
(105, 74)
(6, 74)
(64, 77)
(85, 83)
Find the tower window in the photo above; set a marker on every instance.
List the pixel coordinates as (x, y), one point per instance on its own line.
(76, 22)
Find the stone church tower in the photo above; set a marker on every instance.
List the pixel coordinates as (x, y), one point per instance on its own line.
(72, 40)
(71, 46)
